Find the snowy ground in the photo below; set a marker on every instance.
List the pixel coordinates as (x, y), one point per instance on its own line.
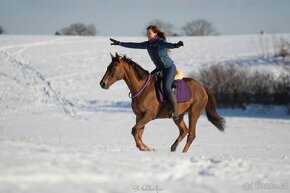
(60, 132)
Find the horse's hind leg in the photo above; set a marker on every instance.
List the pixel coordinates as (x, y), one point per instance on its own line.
(183, 130)
(193, 115)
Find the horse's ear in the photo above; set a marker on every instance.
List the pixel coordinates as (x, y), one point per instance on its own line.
(117, 55)
(111, 55)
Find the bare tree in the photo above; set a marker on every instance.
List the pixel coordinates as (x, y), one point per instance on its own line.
(79, 29)
(2, 31)
(282, 48)
(199, 27)
(57, 33)
(166, 27)
(237, 86)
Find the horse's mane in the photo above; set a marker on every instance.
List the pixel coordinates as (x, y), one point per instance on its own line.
(140, 72)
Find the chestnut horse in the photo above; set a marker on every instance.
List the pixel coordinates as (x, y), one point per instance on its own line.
(146, 104)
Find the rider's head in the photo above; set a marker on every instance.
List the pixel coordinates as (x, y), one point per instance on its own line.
(153, 30)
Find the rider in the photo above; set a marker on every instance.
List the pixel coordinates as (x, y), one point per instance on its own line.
(158, 50)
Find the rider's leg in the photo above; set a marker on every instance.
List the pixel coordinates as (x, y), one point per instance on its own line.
(168, 78)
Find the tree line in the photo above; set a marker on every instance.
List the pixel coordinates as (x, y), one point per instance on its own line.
(2, 31)
(198, 27)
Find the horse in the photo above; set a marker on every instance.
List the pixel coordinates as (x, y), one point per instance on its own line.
(146, 104)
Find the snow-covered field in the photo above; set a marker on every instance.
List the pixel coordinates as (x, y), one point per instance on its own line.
(60, 132)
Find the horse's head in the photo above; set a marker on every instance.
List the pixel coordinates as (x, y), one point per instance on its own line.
(115, 72)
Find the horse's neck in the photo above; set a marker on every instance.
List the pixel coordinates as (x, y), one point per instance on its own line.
(131, 79)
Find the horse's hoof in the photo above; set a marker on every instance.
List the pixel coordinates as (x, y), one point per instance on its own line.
(150, 149)
(173, 149)
(141, 148)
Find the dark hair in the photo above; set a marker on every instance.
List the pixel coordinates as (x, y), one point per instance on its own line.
(157, 30)
(160, 34)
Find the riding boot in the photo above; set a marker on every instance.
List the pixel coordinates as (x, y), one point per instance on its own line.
(173, 103)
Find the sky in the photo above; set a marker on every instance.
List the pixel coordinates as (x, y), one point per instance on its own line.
(130, 17)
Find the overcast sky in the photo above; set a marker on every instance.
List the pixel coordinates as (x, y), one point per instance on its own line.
(129, 17)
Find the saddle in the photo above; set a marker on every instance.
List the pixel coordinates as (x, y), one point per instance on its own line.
(179, 87)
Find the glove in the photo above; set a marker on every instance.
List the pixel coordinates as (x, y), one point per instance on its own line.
(154, 71)
(157, 72)
(115, 42)
(179, 44)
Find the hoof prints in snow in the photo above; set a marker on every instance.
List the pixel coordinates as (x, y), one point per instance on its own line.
(35, 79)
(222, 168)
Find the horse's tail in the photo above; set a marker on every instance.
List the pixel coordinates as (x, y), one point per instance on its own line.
(211, 113)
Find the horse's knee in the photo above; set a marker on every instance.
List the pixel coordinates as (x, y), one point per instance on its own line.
(134, 131)
(183, 132)
(191, 136)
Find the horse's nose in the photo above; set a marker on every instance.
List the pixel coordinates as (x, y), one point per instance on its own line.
(102, 84)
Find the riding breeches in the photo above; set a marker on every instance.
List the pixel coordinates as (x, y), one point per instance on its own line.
(168, 78)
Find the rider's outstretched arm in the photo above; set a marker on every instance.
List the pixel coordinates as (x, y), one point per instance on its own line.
(141, 45)
(169, 45)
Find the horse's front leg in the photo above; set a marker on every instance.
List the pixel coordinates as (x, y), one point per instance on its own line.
(141, 121)
(140, 138)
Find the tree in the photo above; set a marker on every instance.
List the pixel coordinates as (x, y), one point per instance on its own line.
(2, 31)
(199, 27)
(78, 29)
(164, 26)
(57, 33)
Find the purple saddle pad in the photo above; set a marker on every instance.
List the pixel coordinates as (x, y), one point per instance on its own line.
(182, 91)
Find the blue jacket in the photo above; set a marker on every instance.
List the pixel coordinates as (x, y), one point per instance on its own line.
(157, 51)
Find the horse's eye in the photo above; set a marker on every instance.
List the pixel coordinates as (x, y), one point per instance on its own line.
(111, 70)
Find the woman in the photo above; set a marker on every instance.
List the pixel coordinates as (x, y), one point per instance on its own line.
(158, 50)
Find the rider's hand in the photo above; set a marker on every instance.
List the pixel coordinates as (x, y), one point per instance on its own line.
(178, 44)
(154, 71)
(114, 42)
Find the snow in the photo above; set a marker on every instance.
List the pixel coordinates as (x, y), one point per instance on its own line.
(60, 132)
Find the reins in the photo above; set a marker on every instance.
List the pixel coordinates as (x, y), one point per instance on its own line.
(141, 89)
